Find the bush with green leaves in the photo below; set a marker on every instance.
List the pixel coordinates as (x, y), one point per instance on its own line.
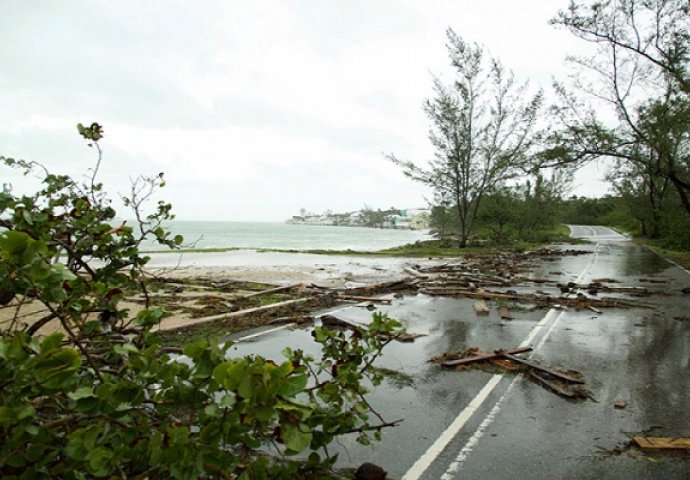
(102, 398)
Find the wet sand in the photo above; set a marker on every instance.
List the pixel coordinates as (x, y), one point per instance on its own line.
(282, 268)
(252, 266)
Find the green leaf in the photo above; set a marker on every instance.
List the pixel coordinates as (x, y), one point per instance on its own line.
(51, 342)
(98, 460)
(246, 387)
(56, 367)
(212, 410)
(293, 385)
(149, 317)
(7, 416)
(81, 392)
(227, 401)
(294, 438)
(14, 242)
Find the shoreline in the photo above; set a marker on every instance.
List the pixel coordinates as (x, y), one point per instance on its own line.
(282, 268)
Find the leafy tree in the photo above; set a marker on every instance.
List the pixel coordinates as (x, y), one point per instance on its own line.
(586, 211)
(499, 213)
(481, 127)
(640, 73)
(525, 210)
(102, 398)
(644, 192)
(376, 218)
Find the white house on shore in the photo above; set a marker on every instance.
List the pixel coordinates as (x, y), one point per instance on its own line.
(412, 219)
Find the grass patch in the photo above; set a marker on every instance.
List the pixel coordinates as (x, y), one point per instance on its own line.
(681, 257)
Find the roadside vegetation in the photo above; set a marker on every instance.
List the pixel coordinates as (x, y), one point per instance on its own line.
(97, 395)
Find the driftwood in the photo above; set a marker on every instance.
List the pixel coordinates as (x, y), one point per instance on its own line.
(359, 298)
(534, 366)
(564, 391)
(224, 316)
(273, 290)
(662, 443)
(331, 321)
(483, 357)
(415, 273)
(544, 300)
(481, 308)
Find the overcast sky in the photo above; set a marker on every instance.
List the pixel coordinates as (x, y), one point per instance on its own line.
(253, 109)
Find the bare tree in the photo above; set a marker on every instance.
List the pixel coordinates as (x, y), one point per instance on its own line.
(481, 126)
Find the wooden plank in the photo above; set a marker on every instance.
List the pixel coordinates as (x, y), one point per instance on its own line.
(504, 313)
(360, 298)
(414, 272)
(553, 373)
(553, 386)
(481, 308)
(188, 322)
(272, 290)
(330, 321)
(486, 356)
(662, 443)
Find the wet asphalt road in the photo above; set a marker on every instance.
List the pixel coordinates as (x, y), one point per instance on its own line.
(477, 425)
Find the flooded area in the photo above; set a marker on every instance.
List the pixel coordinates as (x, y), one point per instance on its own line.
(455, 422)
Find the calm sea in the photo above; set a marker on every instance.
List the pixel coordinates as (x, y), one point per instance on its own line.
(252, 235)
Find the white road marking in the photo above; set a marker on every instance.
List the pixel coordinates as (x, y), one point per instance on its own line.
(455, 465)
(444, 439)
(432, 453)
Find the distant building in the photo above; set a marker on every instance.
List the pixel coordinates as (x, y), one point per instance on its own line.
(414, 219)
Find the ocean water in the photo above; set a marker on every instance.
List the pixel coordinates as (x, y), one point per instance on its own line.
(257, 235)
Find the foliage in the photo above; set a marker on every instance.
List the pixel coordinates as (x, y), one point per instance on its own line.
(638, 76)
(587, 211)
(525, 211)
(102, 398)
(376, 218)
(481, 130)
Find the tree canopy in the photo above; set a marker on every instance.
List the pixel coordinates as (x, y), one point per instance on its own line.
(481, 127)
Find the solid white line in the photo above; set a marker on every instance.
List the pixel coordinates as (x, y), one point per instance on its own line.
(442, 441)
(455, 465)
(432, 453)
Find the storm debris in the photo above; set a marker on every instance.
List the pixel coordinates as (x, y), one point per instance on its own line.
(333, 322)
(337, 323)
(472, 355)
(663, 443)
(541, 300)
(481, 308)
(568, 384)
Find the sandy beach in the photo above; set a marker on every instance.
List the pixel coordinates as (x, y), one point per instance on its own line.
(250, 266)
